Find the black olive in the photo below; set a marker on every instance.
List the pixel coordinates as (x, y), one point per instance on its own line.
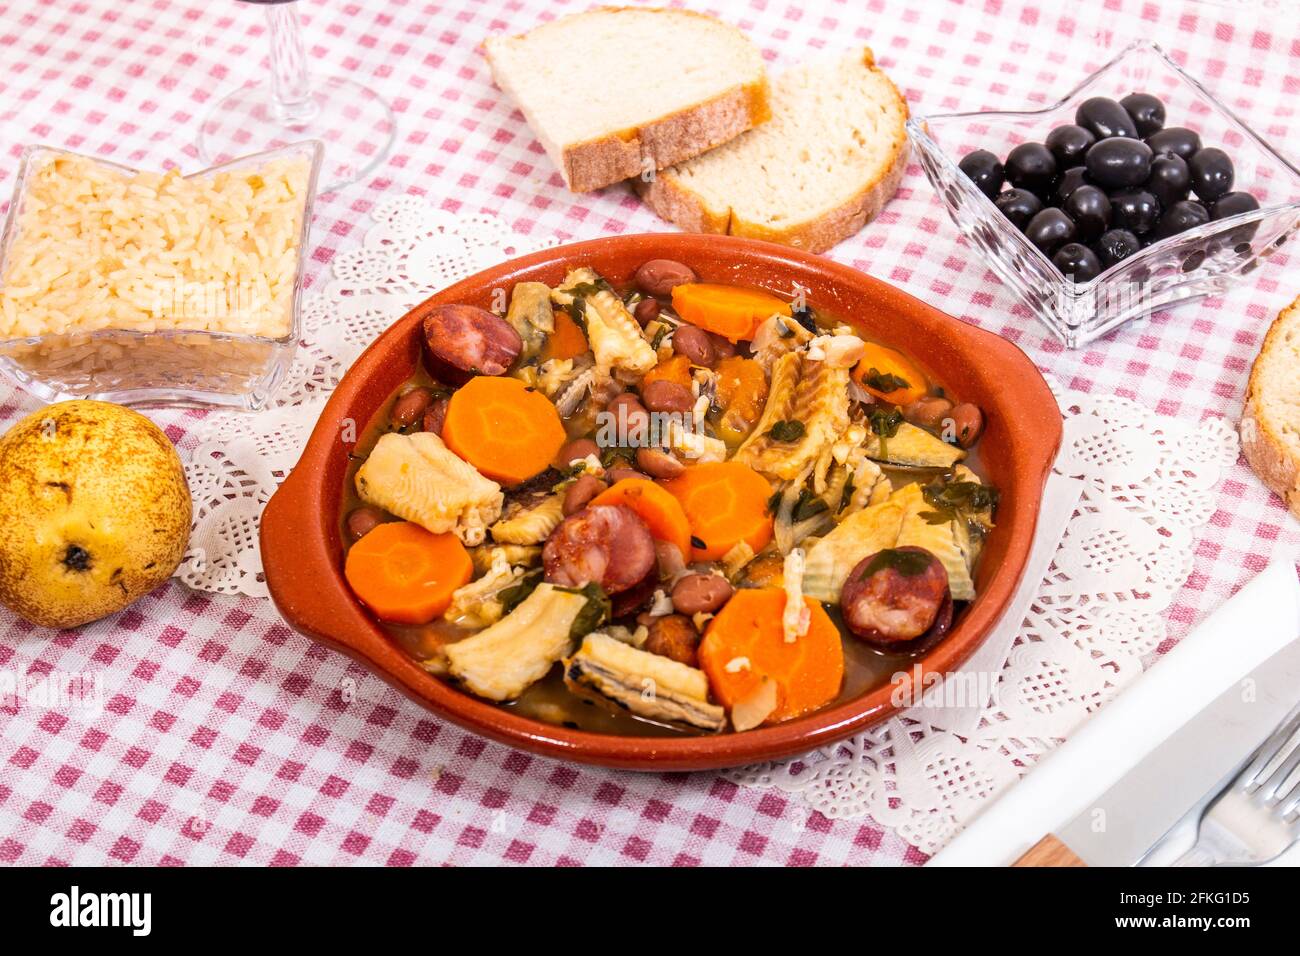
(1089, 207)
(1180, 217)
(1116, 163)
(1050, 229)
(1116, 245)
(1104, 118)
(1019, 205)
(1176, 140)
(1211, 172)
(1147, 111)
(1031, 166)
(1070, 180)
(1077, 262)
(1135, 210)
(1232, 204)
(1068, 143)
(983, 169)
(1169, 180)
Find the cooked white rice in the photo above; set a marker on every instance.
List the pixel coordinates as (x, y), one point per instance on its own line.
(97, 248)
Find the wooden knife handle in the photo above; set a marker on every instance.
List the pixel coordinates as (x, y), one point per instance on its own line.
(1049, 851)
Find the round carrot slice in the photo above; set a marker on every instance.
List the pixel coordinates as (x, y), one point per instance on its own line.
(660, 511)
(890, 375)
(745, 644)
(732, 311)
(725, 503)
(506, 430)
(406, 574)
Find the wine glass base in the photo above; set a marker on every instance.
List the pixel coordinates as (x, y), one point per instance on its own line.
(354, 123)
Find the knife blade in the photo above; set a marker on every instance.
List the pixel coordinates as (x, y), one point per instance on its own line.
(1120, 826)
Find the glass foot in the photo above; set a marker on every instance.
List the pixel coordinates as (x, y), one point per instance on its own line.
(354, 123)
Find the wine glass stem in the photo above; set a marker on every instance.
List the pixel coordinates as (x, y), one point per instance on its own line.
(291, 97)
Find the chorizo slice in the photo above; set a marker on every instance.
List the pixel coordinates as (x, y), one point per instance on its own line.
(607, 544)
(463, 341)
(897, 596)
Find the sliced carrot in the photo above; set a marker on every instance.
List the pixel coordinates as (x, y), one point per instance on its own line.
(506, 430)
(566, 342)
(676, 369)
(880, 365)
(660, 511)
(747, 635)
(742, 390)
(725, 503)
(406, 574)
(732, 311)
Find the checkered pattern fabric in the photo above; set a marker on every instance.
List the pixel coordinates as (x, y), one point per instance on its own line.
(224, 737)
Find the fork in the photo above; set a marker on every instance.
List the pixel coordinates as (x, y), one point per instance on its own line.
(1257, 816)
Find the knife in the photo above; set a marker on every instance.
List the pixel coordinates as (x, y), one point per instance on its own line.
(1119, 827)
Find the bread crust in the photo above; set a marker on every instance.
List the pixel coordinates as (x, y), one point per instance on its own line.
(1269, 457)
(672, 138)
(680, 204)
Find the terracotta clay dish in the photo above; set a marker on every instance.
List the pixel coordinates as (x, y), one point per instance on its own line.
(339, 537)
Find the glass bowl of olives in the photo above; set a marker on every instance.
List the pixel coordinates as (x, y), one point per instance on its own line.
(1136, 191)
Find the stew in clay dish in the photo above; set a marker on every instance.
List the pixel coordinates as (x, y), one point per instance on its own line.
(664, 507)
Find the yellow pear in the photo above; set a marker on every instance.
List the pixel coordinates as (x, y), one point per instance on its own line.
(95, 509)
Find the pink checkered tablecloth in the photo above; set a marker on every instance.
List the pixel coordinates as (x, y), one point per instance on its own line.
(226, 738)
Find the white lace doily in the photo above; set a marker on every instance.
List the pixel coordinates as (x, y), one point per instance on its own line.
(410, 252)
(1096, 619)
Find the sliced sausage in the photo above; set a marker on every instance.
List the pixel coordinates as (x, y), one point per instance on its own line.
(463, 341)
(673, 635)
(607, 544)
(700, 593)
(897, 596)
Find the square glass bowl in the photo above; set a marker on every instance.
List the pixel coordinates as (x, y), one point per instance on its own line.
(168, 366)
(1199, 262)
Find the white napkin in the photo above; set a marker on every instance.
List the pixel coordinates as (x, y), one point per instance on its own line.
(1249, 628)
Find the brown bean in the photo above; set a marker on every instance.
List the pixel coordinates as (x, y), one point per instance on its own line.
(695, 344)
(928, 412)
(658, 464)
(646, 311)
(436, 415)
(631, 420)
(363, 520)
(622, 473)
(410, 407)
(575, 450)
(967, 422)
(722, 348)
(661, 276)
(700, 593)
(673, 635)
(583, 489)
(662, 396)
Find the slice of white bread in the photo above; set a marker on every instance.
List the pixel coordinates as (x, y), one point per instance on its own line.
(615, 92)
(819, 170)
(1270, 422)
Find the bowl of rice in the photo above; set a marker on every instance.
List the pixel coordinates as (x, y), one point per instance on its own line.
(155, 288)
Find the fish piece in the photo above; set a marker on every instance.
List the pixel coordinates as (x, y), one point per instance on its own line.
(649, 685)
(829, 561)
(914, 447)
(531, 315)
(939, 539)
(418, 478)
(817, 399)
(504, 660)
(613, 334)
(531, 523)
